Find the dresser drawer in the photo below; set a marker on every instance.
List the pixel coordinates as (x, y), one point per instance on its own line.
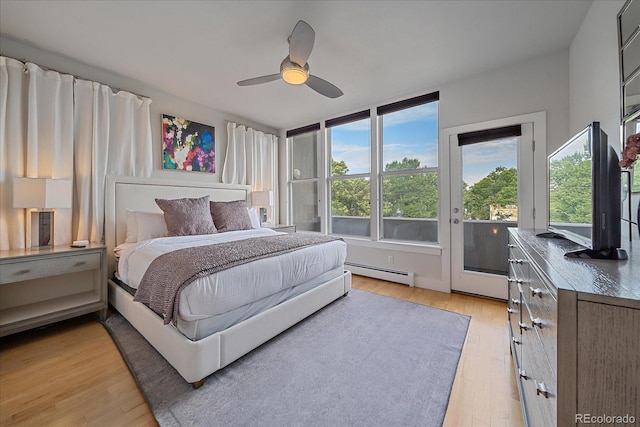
(514, 310)
(543, 311)
(29, 268)
(538, 387)
(518, 264)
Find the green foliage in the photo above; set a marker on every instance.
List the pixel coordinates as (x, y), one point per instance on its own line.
(409, 196)
(500, 187)
(570, 189)
(350, 196)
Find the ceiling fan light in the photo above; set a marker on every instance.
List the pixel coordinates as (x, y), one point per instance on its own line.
(295, 75)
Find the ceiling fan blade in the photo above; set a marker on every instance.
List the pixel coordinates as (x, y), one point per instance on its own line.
(301, 43)
(259, 80)
(323, 87)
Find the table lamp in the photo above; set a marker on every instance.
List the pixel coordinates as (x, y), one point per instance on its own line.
(262, 199)
(41, 194)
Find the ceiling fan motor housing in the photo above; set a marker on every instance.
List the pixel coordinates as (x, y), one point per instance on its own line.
(293, 73)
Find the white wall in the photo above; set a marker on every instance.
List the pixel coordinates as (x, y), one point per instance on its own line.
(594, 88)
(541, 84)
(163, 103)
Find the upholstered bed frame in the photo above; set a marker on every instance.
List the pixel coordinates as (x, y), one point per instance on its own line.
(195, 360)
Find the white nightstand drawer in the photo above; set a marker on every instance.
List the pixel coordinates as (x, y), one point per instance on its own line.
(50, 266)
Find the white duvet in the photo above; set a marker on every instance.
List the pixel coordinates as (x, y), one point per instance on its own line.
(232, 288)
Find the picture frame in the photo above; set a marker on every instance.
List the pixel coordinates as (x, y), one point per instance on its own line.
(187, 145)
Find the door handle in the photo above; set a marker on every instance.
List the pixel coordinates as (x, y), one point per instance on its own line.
(456, 221)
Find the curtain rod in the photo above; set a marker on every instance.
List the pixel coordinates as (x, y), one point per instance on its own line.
(76, 77)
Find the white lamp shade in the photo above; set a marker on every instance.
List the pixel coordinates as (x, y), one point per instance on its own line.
(262, 198)
(42, 193)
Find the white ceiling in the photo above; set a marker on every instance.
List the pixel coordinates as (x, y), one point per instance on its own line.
(375, 51)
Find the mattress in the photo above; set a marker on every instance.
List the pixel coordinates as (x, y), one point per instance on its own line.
(201, 328)
(236, 287)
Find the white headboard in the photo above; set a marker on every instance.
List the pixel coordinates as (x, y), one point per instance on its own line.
(140, 193)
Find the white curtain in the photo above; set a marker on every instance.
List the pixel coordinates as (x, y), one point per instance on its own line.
(46, 133)
(234, 170)
(36, 140)
(112, 137)
(251, 158)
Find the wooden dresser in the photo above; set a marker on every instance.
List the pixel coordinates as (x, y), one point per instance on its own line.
(574, 329)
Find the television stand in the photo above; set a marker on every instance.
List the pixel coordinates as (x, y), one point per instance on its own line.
(616, 254)
(550, 235)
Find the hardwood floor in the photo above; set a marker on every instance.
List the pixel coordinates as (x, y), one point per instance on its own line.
(72, 374)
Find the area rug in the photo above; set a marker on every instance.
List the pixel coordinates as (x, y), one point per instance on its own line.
(364, 360)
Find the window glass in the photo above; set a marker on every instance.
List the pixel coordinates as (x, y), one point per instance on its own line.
(351, 148)
(304, 210)
(304, 181)
(410, 134)
(409, 174)
(350, 178)
(304, 156)
(350, 206)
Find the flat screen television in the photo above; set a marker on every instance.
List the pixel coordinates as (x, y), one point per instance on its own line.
(584, 195)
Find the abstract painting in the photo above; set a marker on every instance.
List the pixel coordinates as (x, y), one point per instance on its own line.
(187, 145)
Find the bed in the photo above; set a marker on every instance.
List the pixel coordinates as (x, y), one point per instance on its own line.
(194, 346)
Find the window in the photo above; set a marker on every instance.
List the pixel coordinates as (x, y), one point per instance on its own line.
(395, 162)
(350, 175)
(304, 177)
(409, 172)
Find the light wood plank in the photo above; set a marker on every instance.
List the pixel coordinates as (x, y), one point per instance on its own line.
(73, 374)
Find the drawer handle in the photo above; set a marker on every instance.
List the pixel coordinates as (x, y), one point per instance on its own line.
(536, 292)
(515, 301)
(79, 264)
(541, 389)
(523, 326)
(511, 246)
(523, 374)
(515, 261)
(537, 322)
(511, 311)
(516, 341)
(519, 281)
(21, 272)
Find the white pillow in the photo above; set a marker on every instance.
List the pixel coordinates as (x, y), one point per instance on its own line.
(145, 225)
(253, 216)
(132, 227)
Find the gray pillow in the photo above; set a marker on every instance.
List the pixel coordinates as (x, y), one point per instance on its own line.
(230, 216)
(186, 217)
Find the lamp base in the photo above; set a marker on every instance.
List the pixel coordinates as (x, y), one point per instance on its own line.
(41, 229)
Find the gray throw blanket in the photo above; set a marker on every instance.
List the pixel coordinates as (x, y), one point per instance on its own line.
(171, 272)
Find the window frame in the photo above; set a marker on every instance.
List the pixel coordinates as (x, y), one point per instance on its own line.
(380, 113)
(375, 175)
(330, 178)
(318, 179)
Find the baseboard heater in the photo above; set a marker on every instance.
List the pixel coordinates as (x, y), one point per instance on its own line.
(404, 277)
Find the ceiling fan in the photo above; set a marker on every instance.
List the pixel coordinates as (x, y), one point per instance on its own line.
(295, 68)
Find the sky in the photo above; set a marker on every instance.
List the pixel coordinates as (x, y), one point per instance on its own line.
(480, 159)
(413, 133)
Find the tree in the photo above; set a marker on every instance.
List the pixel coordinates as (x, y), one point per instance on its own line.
(500, 187)
(349, 196)
(412, 195)
(570, 189)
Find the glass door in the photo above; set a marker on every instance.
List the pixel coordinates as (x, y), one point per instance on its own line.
(491, 190)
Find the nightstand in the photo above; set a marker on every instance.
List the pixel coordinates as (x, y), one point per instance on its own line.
(283, 228)
(38, 287)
